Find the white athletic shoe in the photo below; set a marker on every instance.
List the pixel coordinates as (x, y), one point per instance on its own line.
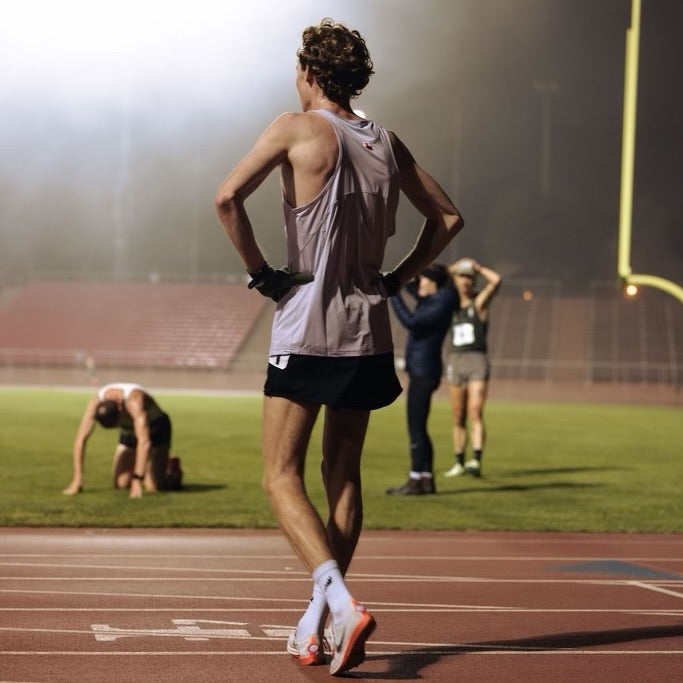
(473, 467)
(348, 639)
(456, 471)
(309, 653)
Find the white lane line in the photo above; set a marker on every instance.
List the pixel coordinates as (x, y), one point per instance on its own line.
(155, 568)
(443, 650)
(371, 538)
(375, 610)
(226, 634)
(356, 578)
(465, 538)
(212, 629)
(237, 611)
(391, 558)
(240, 598)
(657, 588)
(377, 607)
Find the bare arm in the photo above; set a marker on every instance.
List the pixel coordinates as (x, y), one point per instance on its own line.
(269, 151)
(84, 431)
(135, 406)
(483, 299)
(442, 219)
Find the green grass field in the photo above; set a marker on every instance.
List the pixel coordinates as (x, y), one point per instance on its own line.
(559, 466)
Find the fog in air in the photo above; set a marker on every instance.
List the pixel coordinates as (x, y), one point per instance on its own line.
(119, 121)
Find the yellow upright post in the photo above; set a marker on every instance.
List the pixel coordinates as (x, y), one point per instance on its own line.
(628, 147)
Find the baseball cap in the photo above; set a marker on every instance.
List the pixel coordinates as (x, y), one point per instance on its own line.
(436, 272)
(464, 267)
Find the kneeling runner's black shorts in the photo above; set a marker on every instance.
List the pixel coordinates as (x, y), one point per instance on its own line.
(159, 433)
(356, 383)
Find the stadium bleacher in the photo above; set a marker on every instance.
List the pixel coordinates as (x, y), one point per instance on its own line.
(637, 340)
(536, 334)
(127, 324)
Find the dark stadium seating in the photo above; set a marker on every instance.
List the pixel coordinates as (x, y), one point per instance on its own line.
(520, 336)
(127, 324)
(594, 338)
(537, 334)
(637, 340)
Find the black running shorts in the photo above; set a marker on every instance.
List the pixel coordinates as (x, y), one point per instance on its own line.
(159, 433)
(355, 383)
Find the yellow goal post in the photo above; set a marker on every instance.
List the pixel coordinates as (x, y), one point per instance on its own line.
(627, 166)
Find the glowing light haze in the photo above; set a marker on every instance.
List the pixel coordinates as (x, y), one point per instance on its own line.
(120, 119)
(93, 51)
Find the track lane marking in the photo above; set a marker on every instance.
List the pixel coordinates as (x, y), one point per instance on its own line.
(469, 650)
(356, 578)
(389, 558)
(657, 588)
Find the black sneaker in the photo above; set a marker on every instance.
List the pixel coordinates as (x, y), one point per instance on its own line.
(413, 487)
(427, 485)
(174, 474)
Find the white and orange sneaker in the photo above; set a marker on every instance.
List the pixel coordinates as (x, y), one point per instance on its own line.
(348, 639)
(311, 653)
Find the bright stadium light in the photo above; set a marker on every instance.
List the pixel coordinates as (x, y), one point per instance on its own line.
(94, 51)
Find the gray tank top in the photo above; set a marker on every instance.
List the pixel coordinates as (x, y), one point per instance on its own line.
(340, 237)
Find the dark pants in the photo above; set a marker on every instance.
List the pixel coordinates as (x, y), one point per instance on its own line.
(418, 403)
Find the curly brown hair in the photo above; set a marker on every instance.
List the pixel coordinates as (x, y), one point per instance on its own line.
(338, 59)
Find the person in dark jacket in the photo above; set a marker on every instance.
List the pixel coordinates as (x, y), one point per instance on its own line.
(427, 325)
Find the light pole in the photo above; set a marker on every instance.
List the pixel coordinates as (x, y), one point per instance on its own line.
(547, 90)
(120, 211)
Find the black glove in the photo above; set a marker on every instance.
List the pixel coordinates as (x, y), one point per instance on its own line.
(276, 283)
(388, 284)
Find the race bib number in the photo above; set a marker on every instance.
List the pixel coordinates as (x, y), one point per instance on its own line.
(463, 334)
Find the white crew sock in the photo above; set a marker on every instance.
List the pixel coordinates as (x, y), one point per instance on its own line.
(329, 579)
(313, 619)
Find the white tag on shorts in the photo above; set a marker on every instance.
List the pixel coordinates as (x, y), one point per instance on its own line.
(463, 334)
(279, 362)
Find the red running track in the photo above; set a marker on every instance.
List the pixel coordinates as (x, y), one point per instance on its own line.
(216, 605)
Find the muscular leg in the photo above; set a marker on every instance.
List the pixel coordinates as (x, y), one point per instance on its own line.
(122, 468)
(343, 438)
(287, 429)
